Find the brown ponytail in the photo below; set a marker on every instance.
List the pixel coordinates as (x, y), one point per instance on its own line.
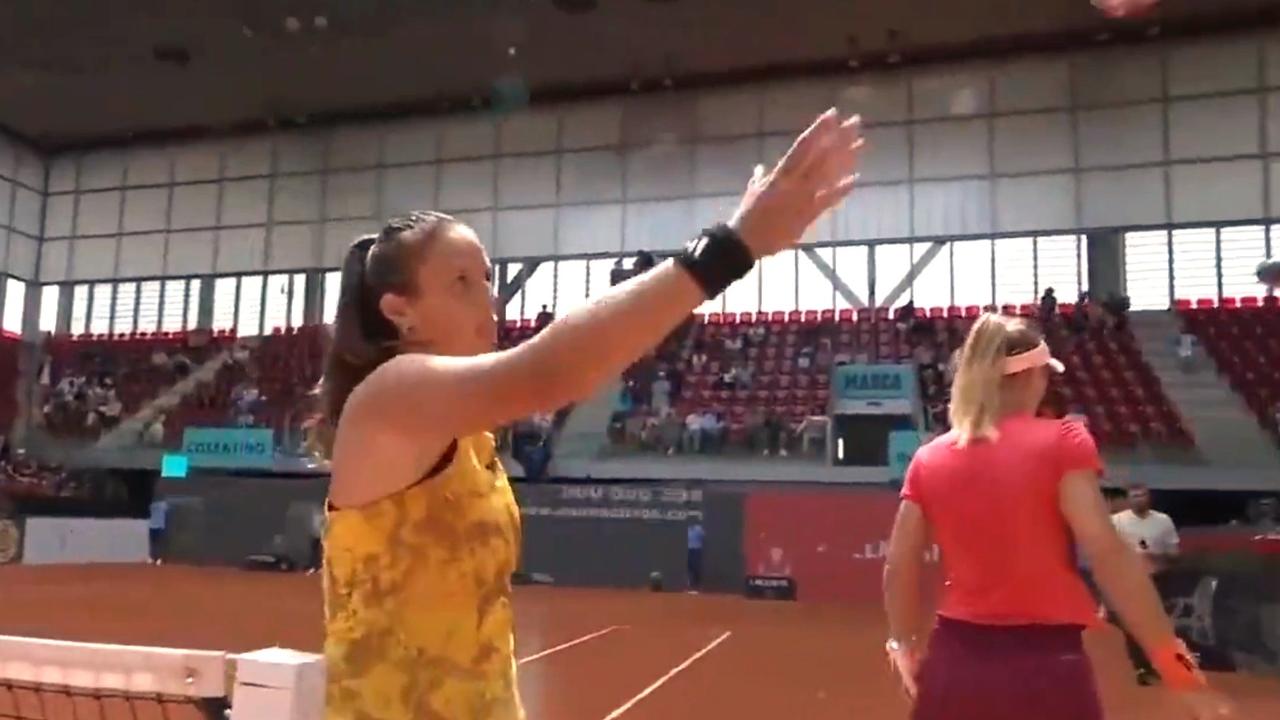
(363, 337)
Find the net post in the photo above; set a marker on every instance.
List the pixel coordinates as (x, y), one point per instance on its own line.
(278, 684)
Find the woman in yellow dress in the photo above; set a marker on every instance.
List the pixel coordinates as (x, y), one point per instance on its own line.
(423, 531)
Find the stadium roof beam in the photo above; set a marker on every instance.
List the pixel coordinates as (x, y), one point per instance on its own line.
(829, 273)
(507, 289)
(920, 264)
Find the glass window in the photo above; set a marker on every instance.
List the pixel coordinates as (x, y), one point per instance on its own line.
(126, 304)
(276, 312)
(813, 290)
(15, 298)
(932, 285)
(249, 315)
(224, 303)
(1015, 271)
(149, 305)
(173, 308)
(743, 295)
(79, 310)
(1242, 248)
(329, 296)
(851, 266)
(571, 285)
(298, 300)
(1195, 263)
(193, 303)
(971, 272)
(100, 309)
(778, 282)
(539, 290)
(1058, 266)
(598, 272)
(893, 263)
(49, 308)
(1146, 269)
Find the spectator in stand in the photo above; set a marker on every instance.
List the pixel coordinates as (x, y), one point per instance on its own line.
(767, 435)
(660, 394)
(157, 525)
(543, 319)
(732, 346)
(824, 356)
(804, 360)
(693, 432)
(644, 262)
(109, 412)
(676, 378)
(742, 377)
(618, 274)
(757, 334)
(699, 357)
(1117, 307)
(1048, 306)
(712, 431)
(1187, 352)
(670, 429)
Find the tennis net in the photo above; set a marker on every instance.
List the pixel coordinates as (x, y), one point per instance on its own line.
(58, 680)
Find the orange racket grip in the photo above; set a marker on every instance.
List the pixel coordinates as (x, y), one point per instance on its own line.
(1177, 667)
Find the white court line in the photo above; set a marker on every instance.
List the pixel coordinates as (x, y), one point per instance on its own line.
(571, 643)
(670, 674)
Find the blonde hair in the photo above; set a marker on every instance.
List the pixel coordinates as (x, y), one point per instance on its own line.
(979, 374)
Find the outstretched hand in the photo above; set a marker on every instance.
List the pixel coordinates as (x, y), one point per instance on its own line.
(816, 173)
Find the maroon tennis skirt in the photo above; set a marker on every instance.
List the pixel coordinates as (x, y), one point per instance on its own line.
(997, 672)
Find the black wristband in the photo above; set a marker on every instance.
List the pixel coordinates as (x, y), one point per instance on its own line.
(716, 259)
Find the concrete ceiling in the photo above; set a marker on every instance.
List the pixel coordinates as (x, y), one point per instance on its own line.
(76, 72)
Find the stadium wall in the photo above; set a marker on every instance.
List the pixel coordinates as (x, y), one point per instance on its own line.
(1154, 134)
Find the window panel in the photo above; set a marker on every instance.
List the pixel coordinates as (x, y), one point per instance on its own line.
(79, 310)
(49, 308)
(851, 266)
(298, 300)
(1195, 266)
(193, 304)
(1058, 266)
(224, 303)
(1146, 269)
(15, 299)
(571, 285)
(249, 314)
(1015, 271)
(149, 305)
(329, 296)
(778, 282)
(125, 304)
(276, 312)
(893, 262)
(932, 285)
(598, 277)
(813, 290)
(539, 290)
(100, 310)
(1242, 248)
(173, 309)
(971, 270)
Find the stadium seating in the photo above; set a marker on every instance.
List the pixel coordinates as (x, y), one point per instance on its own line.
(1242, 335)
(791, 356)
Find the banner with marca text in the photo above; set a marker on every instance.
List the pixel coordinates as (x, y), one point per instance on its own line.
(832, 543)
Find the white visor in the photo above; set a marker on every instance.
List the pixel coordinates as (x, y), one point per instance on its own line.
(1033, 358)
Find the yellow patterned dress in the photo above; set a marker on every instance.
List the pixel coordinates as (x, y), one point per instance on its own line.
(418, 620)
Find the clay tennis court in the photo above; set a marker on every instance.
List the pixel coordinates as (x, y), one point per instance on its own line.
(585, 654)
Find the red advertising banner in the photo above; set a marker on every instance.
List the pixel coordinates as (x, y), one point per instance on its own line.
(832, 543)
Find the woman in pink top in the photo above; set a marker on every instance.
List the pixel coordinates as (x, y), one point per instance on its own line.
(1007, 497)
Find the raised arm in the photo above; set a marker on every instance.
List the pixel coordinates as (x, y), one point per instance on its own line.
(1129, 590)
(431, 397)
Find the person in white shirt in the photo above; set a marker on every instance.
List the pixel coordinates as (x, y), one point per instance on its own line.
(711, 431)
(1152, 535)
